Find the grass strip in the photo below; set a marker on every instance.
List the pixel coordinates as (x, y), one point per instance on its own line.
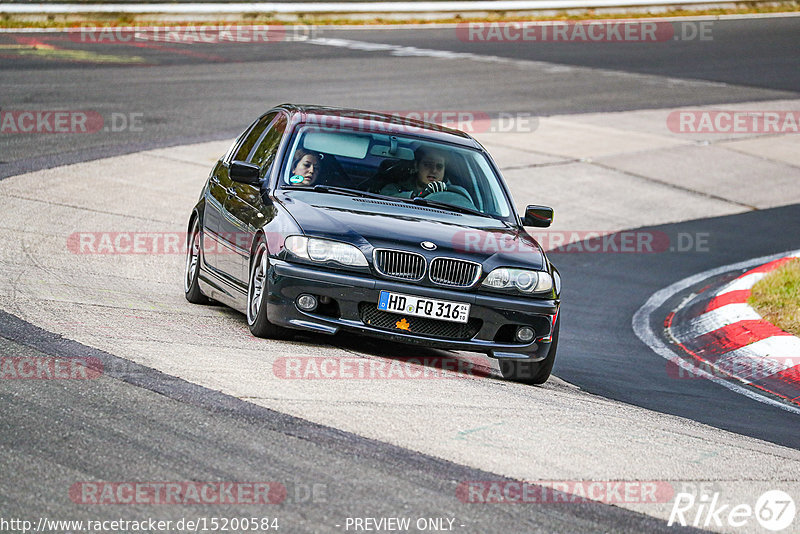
(776, 297)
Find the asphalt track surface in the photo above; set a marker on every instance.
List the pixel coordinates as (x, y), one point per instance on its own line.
(186, 94)
(606, 370)
(152, 427)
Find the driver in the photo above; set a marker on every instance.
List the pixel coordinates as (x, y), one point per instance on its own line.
(427, 175)
(305, 167)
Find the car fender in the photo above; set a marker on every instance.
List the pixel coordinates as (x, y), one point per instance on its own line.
(275, 231)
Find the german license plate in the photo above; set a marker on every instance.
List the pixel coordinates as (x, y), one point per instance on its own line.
(423, 307)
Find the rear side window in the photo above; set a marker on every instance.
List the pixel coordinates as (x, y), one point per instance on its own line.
(250, 139)
(264, 153)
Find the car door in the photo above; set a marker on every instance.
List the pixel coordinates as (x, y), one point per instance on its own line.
(220, 186)
(244, 211)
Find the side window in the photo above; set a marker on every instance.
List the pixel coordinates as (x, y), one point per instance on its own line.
(264, 153)
(234, 145)
(241, 153)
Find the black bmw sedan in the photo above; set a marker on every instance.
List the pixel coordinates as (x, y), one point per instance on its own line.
(326, 220)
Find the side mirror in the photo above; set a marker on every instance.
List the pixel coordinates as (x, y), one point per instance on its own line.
(540, 216)
(244, 173)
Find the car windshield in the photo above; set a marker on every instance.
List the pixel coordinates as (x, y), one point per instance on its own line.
(408, 168)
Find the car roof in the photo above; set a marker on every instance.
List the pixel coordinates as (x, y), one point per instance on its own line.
(385, 122)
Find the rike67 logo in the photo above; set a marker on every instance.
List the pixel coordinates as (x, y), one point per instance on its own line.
(774, 510)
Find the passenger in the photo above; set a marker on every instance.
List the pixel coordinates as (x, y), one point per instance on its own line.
(427, 175)
(305, 167)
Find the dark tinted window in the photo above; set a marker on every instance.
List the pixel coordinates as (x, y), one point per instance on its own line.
(268, 145)
(252, 137)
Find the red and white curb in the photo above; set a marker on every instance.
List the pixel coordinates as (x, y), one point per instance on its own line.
(725, 334)
(727, 339)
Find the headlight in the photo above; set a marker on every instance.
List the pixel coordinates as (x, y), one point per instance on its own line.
(522, 280)
(323, 250)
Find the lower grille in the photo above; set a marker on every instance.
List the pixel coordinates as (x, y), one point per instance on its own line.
(372, 316)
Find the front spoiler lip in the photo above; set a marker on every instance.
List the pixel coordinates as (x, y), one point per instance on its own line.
(326, 325)
(329, 325)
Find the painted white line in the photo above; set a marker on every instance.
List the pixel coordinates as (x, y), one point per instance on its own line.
(761, 359)
(718, 318)
(743, 282)
(784, 349)
(643, 330)
(346, 7)
(748, 367)
(413, 51)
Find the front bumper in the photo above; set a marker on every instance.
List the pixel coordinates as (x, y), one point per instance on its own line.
(288, 280)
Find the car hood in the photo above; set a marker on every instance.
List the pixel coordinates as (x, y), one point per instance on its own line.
(372, 223)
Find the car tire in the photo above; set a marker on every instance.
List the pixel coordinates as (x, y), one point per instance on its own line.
(257, 291)
(191, 286)
(534, 373)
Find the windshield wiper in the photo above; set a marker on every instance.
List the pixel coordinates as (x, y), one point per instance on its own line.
(335, 190)
(346, 191)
